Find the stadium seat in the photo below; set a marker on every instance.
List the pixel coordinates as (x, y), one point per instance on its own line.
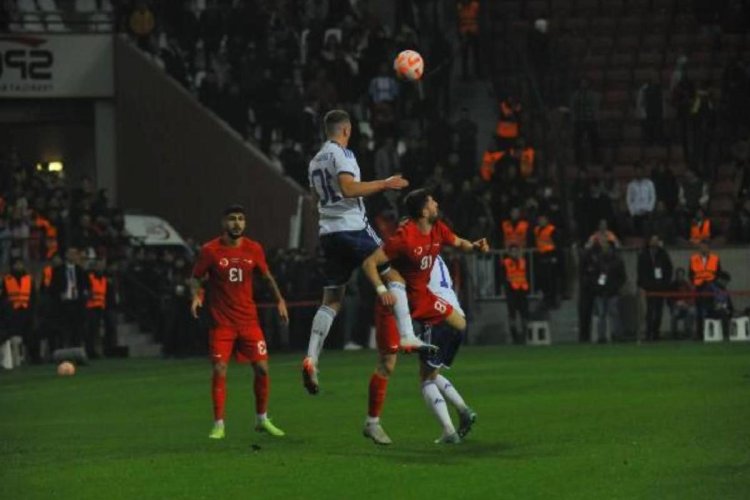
(681, 42)
(637, 7)
(601, 45)
(726, 186)
(712, 331)
(594, 61)
(587, 7)
(721, 205)
(653, 42)
(85, 6)
(623, 58)
(739, 329)
(632, 133)
(630, 26)
(595, 76)
(619, 76)
(576, 24)
(100, 22)
(726, 171)
(627, 42)
(664, 6)
(32, 23)
(612, 114)
(650, 58)
(55, 23)
(538, 333)
(642, 75)
(659, 153)
(47, 5)
(535, 9)
(732, 41)
(624, 171)
(106, 5)
(615, 98)
(603, 26)
(628, 154)
(26, 6)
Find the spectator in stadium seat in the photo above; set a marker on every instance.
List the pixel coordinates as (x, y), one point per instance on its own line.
(682, 307)
(603, 235)
(584, 108)
(650, 110)
(468, 32)
(641, 199)
(693, 193)
(141, 24)
(387, 161)
(383, 87)
(663, 224)
(466, 129)
(654, 275)
(700, 228)
(665, 184)
(702, 128)
(609, 278)
(604, 199)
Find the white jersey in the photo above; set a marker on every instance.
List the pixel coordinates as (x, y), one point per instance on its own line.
(337, 213)
(441, 285)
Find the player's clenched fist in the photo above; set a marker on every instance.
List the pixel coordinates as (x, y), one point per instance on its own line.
(396, 182)
(481, 245)
(197, 304)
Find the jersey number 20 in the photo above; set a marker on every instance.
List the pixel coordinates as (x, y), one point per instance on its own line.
(321, 180)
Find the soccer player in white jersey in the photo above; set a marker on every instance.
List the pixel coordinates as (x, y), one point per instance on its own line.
(346, 237)
(436, 388)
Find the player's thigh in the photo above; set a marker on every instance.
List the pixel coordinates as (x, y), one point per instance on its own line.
(429, 308)
(386, 329)
(333, 295)
(221, 341)
(456, 321)
(251, 345)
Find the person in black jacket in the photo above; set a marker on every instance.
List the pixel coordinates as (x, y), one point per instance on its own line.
(654, 275)
(608, 279)
(69, 291)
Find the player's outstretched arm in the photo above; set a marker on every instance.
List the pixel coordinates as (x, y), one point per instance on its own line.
(280, 302)
(351, 188)
(467, 246)
(370, 268)
(197, 296)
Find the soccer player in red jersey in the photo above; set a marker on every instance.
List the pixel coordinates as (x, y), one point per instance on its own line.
(412, 252)
(227, 264)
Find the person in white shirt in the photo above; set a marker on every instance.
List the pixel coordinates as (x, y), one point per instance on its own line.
(641, 199)
(346, 237)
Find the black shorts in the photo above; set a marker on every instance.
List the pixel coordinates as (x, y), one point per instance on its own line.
(344, 251)
(518, 303)
(447, 339)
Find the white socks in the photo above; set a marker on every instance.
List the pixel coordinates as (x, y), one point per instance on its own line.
(450, 392)
(321, 325)
(436, 403)
(372, 420)
(260, 417)
(401, 310)
(219, 422)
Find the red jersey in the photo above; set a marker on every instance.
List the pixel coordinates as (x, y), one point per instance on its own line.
(413, 253)
(230, 280)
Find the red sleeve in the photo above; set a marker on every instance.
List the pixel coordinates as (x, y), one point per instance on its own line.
(202, 264)
(260, 259)
(394, 245)
(446, 234)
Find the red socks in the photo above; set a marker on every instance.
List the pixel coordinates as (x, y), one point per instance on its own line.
(219, 395)
(261, 393)
(378, 385)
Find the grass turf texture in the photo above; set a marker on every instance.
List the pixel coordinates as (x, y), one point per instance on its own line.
(624, 421)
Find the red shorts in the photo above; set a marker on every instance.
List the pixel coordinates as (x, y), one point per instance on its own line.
(386, 330)
(249, 340)
(428, 308)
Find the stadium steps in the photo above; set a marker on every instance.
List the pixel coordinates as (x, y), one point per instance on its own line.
(138, 344)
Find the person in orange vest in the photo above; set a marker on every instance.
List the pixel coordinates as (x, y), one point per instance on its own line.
(704, 266)
(17, 295)
(508, 123)
(546, 241)
(515, 231)
(489, 162)
(468, 33)
(526, 156)
(700, 228)
(100, 299)
(516, 292)
(603, 235)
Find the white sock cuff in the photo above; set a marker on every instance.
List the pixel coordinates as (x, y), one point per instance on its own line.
(328, 311)
(395, 285)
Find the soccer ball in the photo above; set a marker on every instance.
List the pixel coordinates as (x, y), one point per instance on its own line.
(66, 369)
(409, 65)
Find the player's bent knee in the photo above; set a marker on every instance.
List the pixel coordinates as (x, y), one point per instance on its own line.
(220, 368)
(457, 321)
(261, 370)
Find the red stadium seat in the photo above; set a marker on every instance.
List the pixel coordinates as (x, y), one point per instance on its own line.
(627, 42)
(654, 42)
(650, 58)
(721, 205)
(624, 171)
(726, 187)
(681, 42)
(623, 59)
(642, 75)
(628, 154)
(619, 75)
(587, 7)
(732, 41)
(603, 26)
(577, 24)
(658, 153)
(611, 114)
(676, 153)
(601, 45)
(630, 26)
(615, 98)
(631, 133)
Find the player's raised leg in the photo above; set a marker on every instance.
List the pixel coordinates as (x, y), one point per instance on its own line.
(321, 326)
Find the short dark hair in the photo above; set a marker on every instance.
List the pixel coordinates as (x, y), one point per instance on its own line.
(415, 202)
(333, 119)
(236, 208)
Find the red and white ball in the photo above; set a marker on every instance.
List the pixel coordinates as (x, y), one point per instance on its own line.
(66, 369)
(409, 65)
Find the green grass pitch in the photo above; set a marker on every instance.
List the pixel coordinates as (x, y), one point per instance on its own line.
(623, 421)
